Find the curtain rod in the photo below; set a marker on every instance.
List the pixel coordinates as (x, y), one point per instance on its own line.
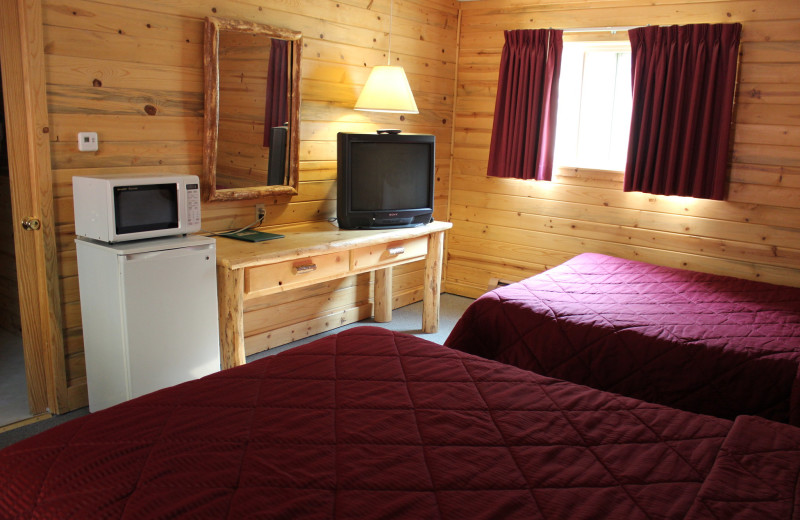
(599, 29)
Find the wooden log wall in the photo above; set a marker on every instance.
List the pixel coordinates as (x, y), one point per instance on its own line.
(132, 72)
(510, 229)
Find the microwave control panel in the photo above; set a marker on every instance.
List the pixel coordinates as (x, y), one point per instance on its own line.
(193, 204)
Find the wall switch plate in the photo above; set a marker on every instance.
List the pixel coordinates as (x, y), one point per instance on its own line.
(87, 141)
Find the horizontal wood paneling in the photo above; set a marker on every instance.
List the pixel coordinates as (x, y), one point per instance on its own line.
(132, 72)
(510, 229)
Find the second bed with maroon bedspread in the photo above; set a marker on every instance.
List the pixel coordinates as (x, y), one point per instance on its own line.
(700, 342)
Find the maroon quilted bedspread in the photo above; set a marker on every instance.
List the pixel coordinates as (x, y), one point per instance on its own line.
(374, 424)
(700, 342)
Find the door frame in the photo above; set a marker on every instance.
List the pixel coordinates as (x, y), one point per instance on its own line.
(27, 131)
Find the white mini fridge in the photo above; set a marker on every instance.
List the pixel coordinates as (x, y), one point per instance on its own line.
(149, 313)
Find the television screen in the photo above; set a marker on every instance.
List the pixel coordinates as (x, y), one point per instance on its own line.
(389, 176)
(385, 180)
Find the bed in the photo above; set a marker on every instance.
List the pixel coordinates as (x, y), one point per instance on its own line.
(699, 342)
(370, 423)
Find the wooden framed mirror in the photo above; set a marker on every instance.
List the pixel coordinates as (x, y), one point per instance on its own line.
(252, 110)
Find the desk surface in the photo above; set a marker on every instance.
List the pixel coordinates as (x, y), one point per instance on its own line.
(307, 238)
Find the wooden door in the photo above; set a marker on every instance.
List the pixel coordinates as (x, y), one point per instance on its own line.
(22, 60)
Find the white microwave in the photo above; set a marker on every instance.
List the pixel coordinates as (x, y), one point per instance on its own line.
(115, 209)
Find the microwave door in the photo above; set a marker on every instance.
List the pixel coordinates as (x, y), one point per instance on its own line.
(147, 210)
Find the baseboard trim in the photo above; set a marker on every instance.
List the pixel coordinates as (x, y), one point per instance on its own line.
(25, 422)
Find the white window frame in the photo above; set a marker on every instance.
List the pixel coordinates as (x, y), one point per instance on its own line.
(574, 147)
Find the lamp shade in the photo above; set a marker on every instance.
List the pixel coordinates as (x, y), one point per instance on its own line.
(387, 90)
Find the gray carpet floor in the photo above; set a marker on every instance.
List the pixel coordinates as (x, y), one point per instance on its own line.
(406, 319)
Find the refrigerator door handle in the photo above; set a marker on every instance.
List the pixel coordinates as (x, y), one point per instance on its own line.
(168, 253)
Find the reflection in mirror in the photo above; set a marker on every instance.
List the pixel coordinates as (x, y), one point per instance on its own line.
(252, 110)
(253, 79)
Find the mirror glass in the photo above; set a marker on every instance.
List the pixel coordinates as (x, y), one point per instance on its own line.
(252, 98)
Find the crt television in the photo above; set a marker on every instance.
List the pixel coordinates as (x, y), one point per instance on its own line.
(385, 180)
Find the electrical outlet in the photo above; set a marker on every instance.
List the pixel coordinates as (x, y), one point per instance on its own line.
(261, 211)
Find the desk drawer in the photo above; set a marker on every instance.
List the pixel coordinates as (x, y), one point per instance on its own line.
(293, 273)
(389, 254)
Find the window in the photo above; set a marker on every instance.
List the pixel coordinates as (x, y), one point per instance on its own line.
(594, 105)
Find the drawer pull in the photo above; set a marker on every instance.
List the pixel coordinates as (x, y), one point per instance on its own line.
(305, 268)
(399, 250)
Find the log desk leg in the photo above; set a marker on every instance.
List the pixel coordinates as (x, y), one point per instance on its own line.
(382, 295)
(433, 281)
(230, 298)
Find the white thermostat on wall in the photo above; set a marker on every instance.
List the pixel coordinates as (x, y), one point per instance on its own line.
(87, 141)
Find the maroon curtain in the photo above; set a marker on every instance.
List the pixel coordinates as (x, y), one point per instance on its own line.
(524, 129)
(277, 85)
(683, 82)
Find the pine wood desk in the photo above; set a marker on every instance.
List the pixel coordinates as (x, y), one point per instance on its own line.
(317, 252)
